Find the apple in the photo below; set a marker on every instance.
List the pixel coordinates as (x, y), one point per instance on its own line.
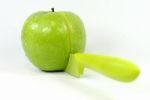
(56, 40)
(50, 37)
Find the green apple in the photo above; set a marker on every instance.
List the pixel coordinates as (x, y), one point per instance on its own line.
(55, 41)
(50, 37)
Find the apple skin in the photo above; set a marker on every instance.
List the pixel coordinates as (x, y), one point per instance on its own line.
(48, 38)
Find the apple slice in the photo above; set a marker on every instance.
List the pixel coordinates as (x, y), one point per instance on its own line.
(113, 67)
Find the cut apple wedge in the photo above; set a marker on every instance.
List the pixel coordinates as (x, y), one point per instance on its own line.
(113, 67)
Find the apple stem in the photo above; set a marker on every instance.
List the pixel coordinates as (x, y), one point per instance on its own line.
(52, 9)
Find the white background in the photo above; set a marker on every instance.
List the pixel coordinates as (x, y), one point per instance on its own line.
(114, 27)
